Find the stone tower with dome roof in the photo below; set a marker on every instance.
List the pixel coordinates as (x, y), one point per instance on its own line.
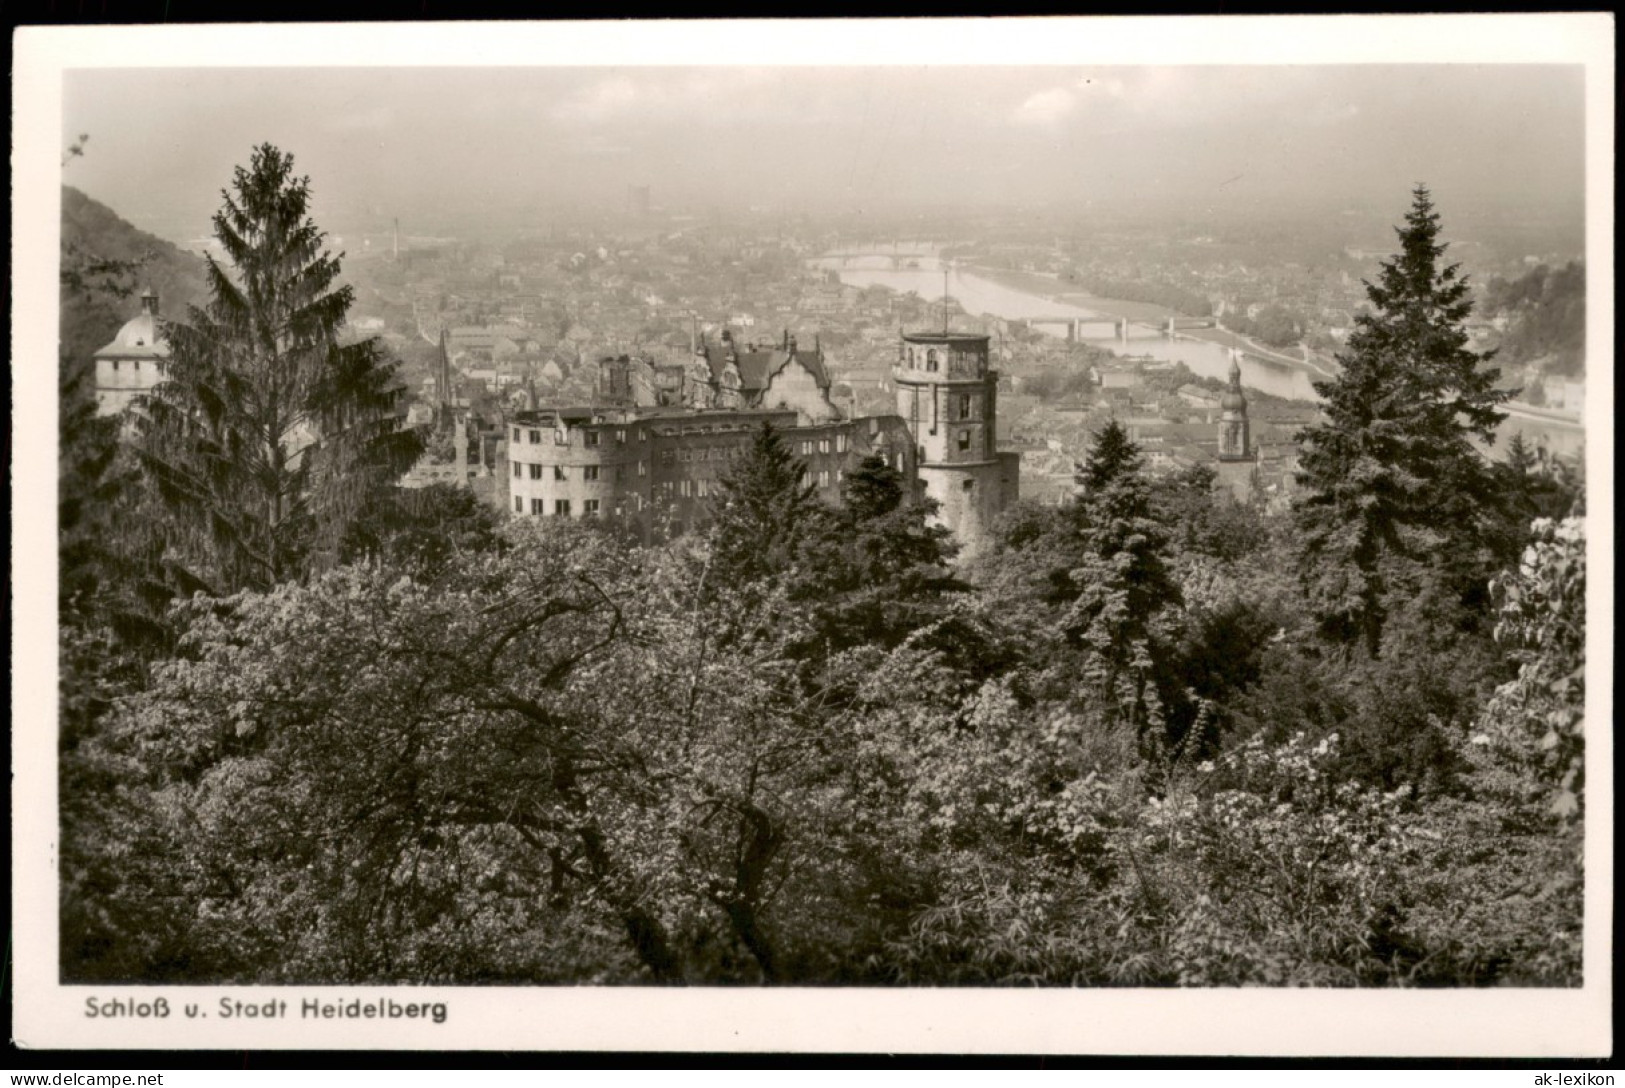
(1238, 462)
(1235, 441)
(134, 362)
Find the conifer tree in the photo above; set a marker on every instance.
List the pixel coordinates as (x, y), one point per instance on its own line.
(1391, 471)
(762, 512)
(1124, 581)
(877, 568)
(1112, 457)
(271, 430)
(873, 489)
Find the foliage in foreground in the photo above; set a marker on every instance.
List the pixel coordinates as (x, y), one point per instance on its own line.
(548, 766)
(798, 747)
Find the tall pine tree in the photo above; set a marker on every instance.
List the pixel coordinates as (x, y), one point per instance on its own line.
(763, 510)
(1123, 583)
(1391, 473)
(272, 429)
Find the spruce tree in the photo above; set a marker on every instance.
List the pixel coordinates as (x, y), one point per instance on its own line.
(762, 512)
(1123, 583)
(873, 489)
(1391, 472)
(272, 429)
(877, 569)
(1112, 456)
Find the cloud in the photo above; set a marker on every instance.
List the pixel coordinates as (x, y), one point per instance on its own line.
(1109, 86)
(719, 94)
(1050, 106)
(1046, 107)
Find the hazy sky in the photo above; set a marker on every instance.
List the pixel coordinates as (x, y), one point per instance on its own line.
(408, 141)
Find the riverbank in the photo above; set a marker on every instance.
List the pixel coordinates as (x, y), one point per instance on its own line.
(1053, 288)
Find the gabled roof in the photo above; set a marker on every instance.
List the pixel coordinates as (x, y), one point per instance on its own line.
(757, 368)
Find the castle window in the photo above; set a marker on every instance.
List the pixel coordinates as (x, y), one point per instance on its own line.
(704, 486)
(931, 361)
(115, 366)
(535, 471)
(590, 472)
(537, 508)
(590, 438)
(968, 484)
(964, 406)
(561, 507)
(840, 443)
(964, 440)
(823, 478)
(559, 473)
(667, 456)
(620, 436)
(823, 445)
(536, 437)
(516, 435)
(643, 468)
(589, 507)
(518, 469)
(518, 505)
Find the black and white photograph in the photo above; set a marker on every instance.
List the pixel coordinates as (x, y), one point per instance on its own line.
(1062, 535)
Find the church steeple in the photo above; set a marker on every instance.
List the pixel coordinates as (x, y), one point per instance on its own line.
(1235, 441)
(442, 378)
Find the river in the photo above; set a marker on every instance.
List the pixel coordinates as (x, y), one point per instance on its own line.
(982, 295)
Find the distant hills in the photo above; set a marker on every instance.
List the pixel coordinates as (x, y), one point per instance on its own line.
(1544, 312)
(93, 233)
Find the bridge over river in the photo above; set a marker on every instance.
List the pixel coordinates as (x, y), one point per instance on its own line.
(1103, 327)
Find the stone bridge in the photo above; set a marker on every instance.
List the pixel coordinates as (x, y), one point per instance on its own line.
(1101, 327)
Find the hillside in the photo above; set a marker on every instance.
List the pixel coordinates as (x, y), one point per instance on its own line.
(92, 308)
(1544, 315)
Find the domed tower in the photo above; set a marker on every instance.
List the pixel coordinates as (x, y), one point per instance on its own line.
(949, 398)
(1235, 441)
(1238, 463)
(134, 362)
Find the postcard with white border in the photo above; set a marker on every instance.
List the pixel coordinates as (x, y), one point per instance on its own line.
(1017, 535)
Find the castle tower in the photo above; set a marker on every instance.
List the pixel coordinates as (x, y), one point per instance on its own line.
(949, 398)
